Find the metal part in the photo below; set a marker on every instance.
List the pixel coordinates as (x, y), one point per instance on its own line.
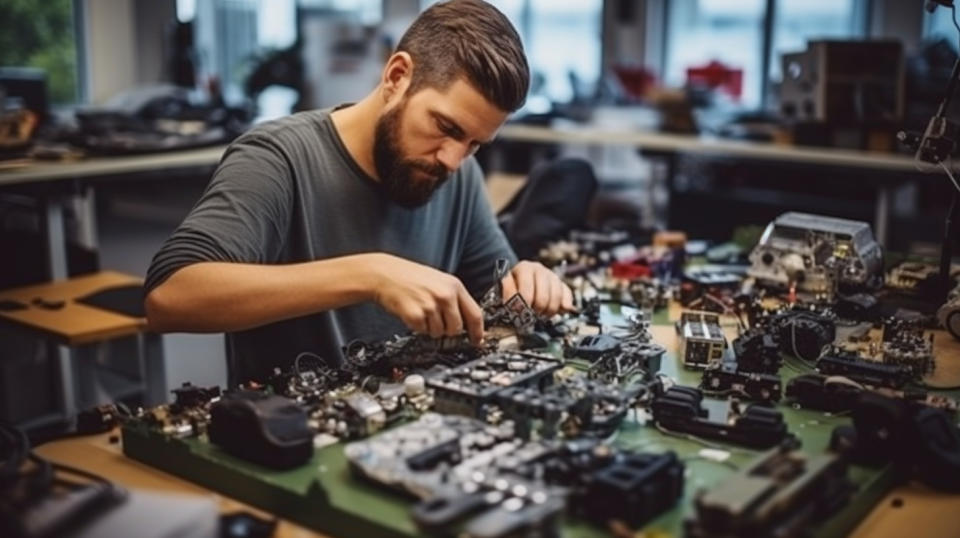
(701, 339)
(817, 254)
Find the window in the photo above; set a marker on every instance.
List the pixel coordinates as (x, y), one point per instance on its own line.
(727, 31)
(563, 45)
(41, 35)
(939, 25)
(732, 33)
(562, 41)
(799, 21)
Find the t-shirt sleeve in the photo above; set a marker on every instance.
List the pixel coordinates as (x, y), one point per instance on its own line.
(242, 217)
(484, 242)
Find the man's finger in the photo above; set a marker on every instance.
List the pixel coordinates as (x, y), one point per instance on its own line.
(452, 324)
(525, 283)
(556, 294)
(434, 323)
(541, 297)
(567, 302)
(509, 286)
(471, 315)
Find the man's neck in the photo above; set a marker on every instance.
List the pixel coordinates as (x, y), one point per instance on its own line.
(356, 125)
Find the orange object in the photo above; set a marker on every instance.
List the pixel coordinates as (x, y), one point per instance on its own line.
(670, 238)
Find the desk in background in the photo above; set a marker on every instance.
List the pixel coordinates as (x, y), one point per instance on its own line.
(671, 146)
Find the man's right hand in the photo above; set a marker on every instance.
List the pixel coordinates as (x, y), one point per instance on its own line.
(428, 301)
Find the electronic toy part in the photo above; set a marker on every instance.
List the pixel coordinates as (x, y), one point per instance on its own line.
(262, 428)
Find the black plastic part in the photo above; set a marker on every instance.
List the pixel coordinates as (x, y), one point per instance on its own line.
(811, 391)
(634, 490)
(265, 429)
(679, 410)
(436, 514)
(882, 432)
(937, 448)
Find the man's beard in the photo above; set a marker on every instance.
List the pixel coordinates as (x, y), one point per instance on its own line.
(409, 183)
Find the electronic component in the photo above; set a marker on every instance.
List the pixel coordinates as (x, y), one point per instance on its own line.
(873, 373)
(801, 332)
(262, 428)
(574, 406)
(710, 287)
(757, 350)
(478, 478)
(822, 393)
(949, 316)
(680, 409)
(905, 344)
(782, 493)
(616, 359)
(817, 254)
(838, 393)
(630, 487)
(701, 339)
(727, 379)
(468, 388)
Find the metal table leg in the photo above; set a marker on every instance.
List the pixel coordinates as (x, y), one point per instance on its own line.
(155, 382)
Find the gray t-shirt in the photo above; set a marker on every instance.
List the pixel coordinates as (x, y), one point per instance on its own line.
(288, 191)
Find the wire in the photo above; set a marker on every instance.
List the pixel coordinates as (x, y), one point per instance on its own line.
(296, 361)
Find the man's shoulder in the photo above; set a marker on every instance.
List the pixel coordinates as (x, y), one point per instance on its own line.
(294, 125)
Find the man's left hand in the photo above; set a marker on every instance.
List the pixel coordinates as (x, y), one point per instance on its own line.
(540, 287)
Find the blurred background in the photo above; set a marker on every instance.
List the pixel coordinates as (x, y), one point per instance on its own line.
(698, 115)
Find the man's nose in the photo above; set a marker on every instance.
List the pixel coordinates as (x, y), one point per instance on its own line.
(452, 153)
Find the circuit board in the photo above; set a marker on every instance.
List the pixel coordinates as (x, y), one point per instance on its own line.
(325, 495)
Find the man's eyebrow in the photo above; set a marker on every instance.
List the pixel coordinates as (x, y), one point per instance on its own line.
(455, 127)
(449, 123)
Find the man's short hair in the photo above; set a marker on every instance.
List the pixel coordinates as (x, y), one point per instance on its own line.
(470, 39)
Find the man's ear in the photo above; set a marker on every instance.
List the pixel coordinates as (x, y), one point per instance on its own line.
(396, 77)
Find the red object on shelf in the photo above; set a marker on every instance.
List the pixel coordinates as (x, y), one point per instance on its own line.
(717, 76)
(630, 270)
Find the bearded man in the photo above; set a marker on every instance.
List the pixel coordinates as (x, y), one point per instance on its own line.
(357, 221)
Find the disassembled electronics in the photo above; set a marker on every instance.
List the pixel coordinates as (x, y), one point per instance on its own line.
(817, 254)
(700, 339)
(727, 379)
(757, 350)
(262, 428)
(681, 410)
(866, 371)
(838, 393)
(621, 357)
(469, 388)
(802, 332)
(483, 480)
(782, 493)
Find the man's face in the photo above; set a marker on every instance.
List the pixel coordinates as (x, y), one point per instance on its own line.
(421, 139)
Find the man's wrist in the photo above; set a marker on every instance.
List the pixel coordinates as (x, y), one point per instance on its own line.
(363, 274)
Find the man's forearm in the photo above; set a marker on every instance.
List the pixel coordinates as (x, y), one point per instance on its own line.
(219, 297)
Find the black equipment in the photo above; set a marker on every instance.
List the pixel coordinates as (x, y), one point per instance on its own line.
(935, 146)
(265, 429)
